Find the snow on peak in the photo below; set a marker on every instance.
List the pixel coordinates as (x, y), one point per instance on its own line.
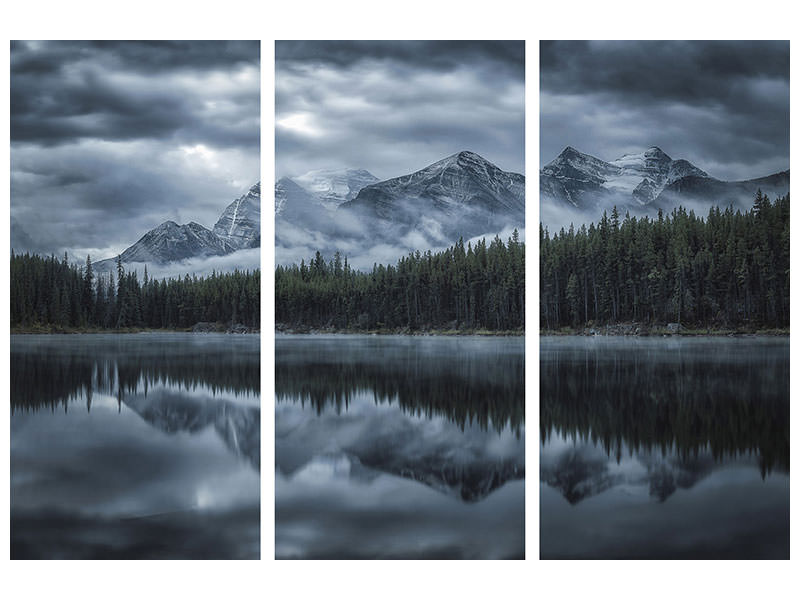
(334, 186)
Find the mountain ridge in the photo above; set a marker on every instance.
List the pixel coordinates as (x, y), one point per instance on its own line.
(460, 196)
(238, 227)
(583, 186)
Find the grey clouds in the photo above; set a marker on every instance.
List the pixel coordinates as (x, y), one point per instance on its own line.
(393, 107)
(109, 139)
(722, 105)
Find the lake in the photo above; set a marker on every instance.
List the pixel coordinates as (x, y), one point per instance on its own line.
(135, 446)
(664, 447)
(399, 447)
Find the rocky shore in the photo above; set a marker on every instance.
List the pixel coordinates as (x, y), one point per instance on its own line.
(665, 329)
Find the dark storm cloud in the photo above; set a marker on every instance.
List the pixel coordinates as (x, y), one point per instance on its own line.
(143, 56)
(722, 105)
(65, 91)
(395, 107)
(109, 139)
(438, 55)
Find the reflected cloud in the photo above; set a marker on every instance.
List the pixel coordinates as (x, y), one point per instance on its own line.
(135, 446)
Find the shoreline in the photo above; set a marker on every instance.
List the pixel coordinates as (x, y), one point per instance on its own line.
(636, 330)
(127, 331)
(403, 331)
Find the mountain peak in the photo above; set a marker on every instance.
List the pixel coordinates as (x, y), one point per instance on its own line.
(464, 157)
(570, 155)
(167, 225)
(657, 153)
(451, 191)
(570, 152)
(239, 224)
(469, 155)
(651, 155)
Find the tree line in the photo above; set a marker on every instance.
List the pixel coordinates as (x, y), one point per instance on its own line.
(730, 269)
(480, 286)
(52, 293)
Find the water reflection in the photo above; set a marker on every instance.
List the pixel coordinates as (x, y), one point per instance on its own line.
(399, 447)
(467, 381)
(152, 446)
(636, 427)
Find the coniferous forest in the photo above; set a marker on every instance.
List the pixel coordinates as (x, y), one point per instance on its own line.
(52, 294)
(729, 270)
(472, 287)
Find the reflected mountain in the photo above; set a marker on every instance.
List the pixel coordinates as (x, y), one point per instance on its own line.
(172, 411)
(682, 402)
(469, 481)
(447, 414)
(441, 458)
(577, 475)
(583, 471)
(174, 388)
(467, 471)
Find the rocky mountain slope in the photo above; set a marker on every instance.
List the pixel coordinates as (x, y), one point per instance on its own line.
(464, 194)
(461, 196)
(240, 223)
(239, 227)
(580, 187)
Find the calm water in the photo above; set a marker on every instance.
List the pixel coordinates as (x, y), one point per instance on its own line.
(135, 446)
(664, 447)
(399, 447)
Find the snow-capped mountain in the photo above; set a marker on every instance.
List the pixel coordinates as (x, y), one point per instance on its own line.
(654, 171)
(238, 228)
(334, 186)
(584, 181)
(461, 196)
(170, 242)
(240, 223)
(464, 187)
(580, 187)
(306, 198)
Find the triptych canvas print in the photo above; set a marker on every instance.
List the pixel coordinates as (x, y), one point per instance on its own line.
(397, 282)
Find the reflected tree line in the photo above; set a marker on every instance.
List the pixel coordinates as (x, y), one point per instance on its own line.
(687, 407)
(53, 380)
(471, 393)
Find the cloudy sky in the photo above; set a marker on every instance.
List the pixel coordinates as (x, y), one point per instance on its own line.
(395, 107)
(724, 106)
(110, 139)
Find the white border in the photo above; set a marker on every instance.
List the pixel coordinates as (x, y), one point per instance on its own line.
(411, 19)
